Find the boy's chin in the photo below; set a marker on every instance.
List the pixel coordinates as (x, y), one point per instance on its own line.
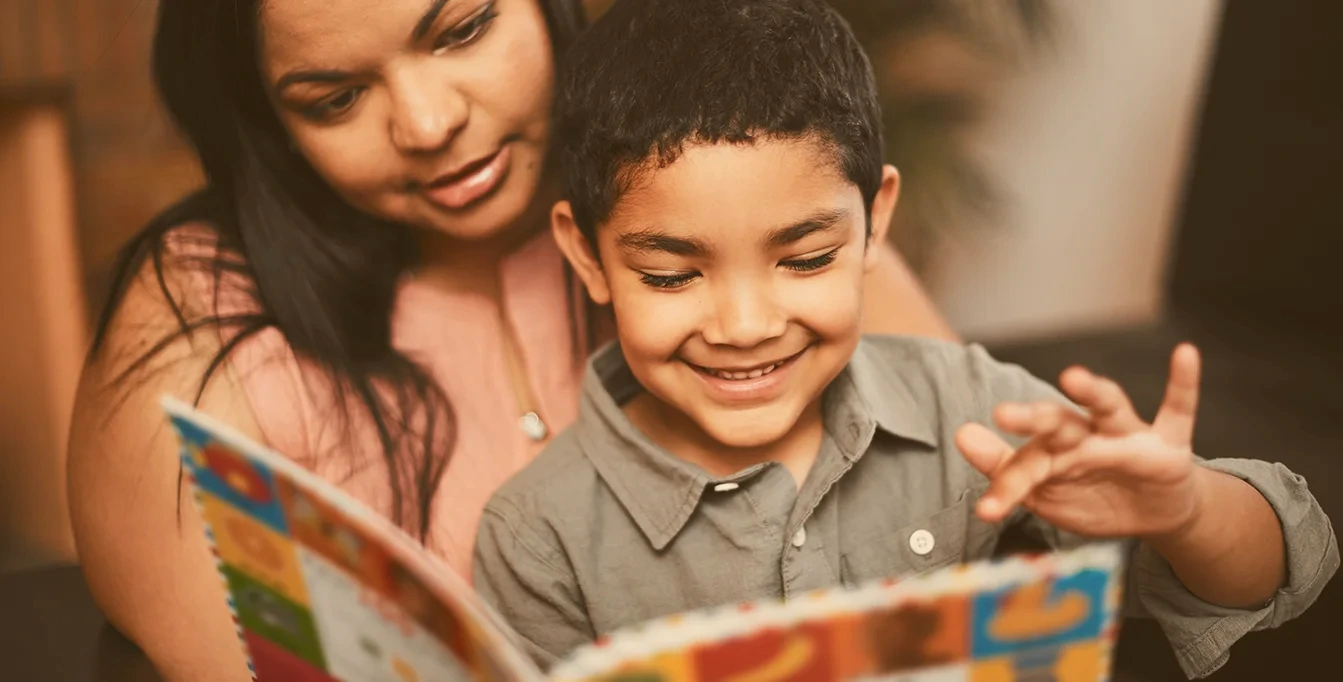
(746, 431)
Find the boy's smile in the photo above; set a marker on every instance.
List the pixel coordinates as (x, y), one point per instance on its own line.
(735, 274)
(746, 383)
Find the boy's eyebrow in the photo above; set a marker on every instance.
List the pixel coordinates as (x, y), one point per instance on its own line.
(652, 240)
(817, 222)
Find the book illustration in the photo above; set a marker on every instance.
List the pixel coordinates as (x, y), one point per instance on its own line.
(322, 589)
(1045, 618)
(325, 590)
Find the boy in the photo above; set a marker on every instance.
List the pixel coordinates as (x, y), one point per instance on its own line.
(725, 187)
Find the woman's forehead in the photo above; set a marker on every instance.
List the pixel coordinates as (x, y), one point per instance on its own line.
(297, 32)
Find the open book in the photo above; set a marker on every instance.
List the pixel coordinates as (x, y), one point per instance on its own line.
(322, 588)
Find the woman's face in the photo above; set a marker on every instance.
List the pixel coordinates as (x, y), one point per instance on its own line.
(433, 113)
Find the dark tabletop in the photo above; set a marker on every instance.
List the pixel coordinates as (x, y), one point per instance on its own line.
(50, 630)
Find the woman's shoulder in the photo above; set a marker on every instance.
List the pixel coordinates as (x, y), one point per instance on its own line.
(171, 288)
(179, 276)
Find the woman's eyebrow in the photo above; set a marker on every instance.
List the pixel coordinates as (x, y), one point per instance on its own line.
(427, 21)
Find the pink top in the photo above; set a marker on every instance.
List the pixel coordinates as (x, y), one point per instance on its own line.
(458, 338)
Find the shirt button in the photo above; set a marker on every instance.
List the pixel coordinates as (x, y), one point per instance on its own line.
(725, 487)
(800, 538)
(921, 542)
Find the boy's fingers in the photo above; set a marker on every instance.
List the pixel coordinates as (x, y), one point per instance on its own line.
(984, 449)
(1071, 433)
(1106, 400)
(1059, 426)
(1028, 419)
(1175, 420)
(1028, 468)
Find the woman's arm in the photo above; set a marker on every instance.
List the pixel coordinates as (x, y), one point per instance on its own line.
(896, 303)
(141, 545)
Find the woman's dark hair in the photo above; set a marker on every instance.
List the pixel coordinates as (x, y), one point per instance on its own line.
(320, 272)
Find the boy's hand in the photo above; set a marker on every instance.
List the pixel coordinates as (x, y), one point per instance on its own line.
(1102, 472)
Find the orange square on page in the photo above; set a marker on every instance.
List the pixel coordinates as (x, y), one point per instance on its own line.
(254, 549)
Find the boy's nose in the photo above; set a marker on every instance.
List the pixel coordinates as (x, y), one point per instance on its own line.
(744, 317)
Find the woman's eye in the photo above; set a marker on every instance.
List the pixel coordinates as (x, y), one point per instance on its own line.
(467, 32)
(335, 105)
(668, 281)
(810, 264)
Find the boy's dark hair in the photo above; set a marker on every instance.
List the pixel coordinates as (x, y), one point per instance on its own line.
(654, 75)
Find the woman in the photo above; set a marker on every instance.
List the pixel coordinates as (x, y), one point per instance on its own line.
(367, 283)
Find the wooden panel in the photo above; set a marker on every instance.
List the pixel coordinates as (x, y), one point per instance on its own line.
(34, 40)
(42, 328)
(129, 162)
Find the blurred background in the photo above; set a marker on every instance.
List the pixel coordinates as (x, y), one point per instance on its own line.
(1085, 181)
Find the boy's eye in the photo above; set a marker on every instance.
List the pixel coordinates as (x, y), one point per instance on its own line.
(668, 281)
(334, 105)
(466, 32)
(810, 264)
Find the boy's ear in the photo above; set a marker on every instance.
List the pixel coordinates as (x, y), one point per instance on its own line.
(581, 255)
(883, 208)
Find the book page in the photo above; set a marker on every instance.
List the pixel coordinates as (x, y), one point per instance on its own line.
(1049, 617)
(321, 587)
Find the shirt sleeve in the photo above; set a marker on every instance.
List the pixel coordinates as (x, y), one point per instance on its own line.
(523, 577)
(1201, 633)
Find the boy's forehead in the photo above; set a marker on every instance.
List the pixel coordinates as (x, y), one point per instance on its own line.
(727, 188)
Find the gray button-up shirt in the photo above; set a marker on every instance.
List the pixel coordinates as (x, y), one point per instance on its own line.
(606, 530)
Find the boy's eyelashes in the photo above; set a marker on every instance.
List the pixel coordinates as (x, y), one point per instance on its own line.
(667, 281)
(813, 263)
(680, 279)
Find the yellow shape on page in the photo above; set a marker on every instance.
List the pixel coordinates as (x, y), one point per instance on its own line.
(253, 548)
(669, 667)
(1027, 613)
(405, 672)
(789, 662)
(1084, 662)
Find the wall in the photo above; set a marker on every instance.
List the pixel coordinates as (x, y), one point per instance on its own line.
(1089, 147)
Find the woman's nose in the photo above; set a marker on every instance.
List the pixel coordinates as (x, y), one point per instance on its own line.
(426, 115)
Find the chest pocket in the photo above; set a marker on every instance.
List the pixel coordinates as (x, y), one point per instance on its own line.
(930, 543)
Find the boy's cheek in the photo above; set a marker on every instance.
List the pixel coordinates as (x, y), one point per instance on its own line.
(828, 311)
(653, 325)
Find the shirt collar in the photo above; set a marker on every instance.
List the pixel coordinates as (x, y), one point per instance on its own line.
(657, 489)
(873, 388)
(661, 491)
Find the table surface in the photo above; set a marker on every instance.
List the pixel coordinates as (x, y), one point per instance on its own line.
(50, 630)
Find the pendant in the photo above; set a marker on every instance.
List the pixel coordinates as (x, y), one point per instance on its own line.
(533, 427)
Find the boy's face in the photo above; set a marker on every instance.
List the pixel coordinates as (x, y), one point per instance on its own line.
(735, 275)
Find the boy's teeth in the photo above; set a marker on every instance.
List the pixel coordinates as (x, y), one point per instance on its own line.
(740, 376)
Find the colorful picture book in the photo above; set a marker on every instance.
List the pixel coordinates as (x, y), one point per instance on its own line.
(322, 589)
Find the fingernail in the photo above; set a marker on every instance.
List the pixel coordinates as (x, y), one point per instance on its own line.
(989, 507)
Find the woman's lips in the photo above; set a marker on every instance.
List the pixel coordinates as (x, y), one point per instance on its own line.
(469, 186)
